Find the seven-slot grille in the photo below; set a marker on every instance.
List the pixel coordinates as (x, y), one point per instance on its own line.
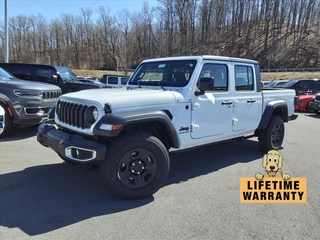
(51, 94)
(72, 114)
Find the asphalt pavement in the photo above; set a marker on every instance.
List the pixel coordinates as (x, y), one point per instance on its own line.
(41, 197)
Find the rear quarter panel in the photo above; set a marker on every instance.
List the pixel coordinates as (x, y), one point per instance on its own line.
(286, 95)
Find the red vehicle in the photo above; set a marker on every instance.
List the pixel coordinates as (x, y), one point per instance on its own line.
(303, 103)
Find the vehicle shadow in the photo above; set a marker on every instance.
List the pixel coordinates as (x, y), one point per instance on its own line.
(313, 115)
(44, 198)
(205, 160)
(20, 133)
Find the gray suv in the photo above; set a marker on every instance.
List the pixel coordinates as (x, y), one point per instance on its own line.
(24, 103)
(63, 77)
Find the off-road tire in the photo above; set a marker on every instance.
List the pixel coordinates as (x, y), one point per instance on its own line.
(7, 123)
(272, 136)
(136, 165)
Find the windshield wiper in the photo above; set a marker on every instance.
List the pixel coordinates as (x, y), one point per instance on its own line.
(139, 84)
(161, 86)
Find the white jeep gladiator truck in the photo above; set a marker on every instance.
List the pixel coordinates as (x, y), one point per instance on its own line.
(169, 105)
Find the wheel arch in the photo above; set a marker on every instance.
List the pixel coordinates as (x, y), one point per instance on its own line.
(4, 102)
(4, 99)
(157, 123)
(6, 119)
(278, 108)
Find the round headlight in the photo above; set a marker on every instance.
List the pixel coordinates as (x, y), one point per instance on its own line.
(91, 114)
(95, 113)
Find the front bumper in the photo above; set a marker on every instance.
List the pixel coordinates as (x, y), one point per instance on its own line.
(30, 121)
(71, 146)
(315, 106)
(28, 112)
(301, 107)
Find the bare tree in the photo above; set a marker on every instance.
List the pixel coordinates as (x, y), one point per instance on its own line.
(277, 33)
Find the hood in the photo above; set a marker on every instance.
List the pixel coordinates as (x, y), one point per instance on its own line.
(83, 85)
(305, 97)
(23, 84)
(121, 97)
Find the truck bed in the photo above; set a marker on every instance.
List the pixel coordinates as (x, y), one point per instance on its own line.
(276, 94)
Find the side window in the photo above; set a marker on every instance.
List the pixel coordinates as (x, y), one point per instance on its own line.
(44, 74)
(112, 80)
(9, 68)
(244, 78)
(302, 84)
(124, 80)
(23, 72)
(314, 84)
(311, 85)
(213, 77)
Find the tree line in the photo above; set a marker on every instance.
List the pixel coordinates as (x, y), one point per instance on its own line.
(277, 33)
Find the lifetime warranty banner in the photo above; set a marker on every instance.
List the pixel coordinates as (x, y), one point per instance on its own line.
(273, 190)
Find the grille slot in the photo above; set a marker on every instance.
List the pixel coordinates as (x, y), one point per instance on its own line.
(50, 94)
(72, 114)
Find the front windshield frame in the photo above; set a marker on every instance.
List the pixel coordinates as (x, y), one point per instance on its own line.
(67, 74)
(170, 73)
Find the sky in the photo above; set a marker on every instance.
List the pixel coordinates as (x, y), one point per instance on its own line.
(54, 8)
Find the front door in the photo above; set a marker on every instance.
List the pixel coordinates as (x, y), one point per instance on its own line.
(212, 112)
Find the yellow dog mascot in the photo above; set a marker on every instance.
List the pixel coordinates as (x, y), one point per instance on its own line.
(272, 162)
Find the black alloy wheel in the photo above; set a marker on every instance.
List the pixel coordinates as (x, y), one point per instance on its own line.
(136, 165)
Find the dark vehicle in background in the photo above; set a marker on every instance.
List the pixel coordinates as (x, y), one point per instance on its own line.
(303, 86)
(276, 83)
(90, 80)
(57, 75)
(24, 103)
(315, 104)
(115, 81)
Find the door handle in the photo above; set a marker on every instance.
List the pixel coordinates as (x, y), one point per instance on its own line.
(251, 100)
(226, 102)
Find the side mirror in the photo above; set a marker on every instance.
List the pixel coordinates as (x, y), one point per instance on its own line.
(54, 79)
(205, 84)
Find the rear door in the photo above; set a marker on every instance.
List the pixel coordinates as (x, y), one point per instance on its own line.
(21, 71)
(44, 74)
(247, 99)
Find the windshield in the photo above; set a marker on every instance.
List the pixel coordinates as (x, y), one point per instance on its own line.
(66, 74)
(5, 74)
(290, 83)
(164, 73)
(271, 84)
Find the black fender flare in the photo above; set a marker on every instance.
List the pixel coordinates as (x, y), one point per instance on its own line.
(4, 99)
(278, 105)
(126, 118)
